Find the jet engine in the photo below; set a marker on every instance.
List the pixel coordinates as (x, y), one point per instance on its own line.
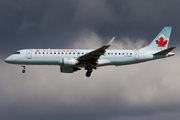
(69, 62)
(67, 69)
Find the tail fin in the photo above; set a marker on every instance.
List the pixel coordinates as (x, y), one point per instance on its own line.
(161, 41)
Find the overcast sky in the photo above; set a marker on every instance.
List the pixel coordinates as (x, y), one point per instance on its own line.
(142, 91)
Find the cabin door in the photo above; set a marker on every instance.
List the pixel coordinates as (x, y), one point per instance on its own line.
(28, 54)
(136, 54)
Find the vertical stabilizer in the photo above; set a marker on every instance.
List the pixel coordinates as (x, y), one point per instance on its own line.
(161, 41)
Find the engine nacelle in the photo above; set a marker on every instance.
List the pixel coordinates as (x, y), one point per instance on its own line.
(67, 69)
(69, 62)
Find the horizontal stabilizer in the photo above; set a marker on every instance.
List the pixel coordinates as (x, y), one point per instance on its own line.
(164, 52)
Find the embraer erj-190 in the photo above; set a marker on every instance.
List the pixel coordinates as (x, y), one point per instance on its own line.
(71, 60)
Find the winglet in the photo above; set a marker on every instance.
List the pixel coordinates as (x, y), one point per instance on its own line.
(110, 42)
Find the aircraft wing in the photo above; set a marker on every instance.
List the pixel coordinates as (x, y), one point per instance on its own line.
(95, 54)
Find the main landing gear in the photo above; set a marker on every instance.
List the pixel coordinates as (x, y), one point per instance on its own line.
(89, 71)
(24, 67)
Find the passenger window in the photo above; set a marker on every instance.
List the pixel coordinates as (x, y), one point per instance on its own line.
(69, 53)
(108, 53)
(115, 53)
(47, 53)
(58, 53)
(54, 53)
(126, 53)
(130, 53)
(62, 52)
(123, 53)
(43, 52)
(39, 52)
(119, 53)
(111, 53)
(73, 53)
(51, 53)
(35, 52)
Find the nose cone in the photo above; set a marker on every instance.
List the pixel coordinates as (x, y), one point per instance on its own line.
(7, 60)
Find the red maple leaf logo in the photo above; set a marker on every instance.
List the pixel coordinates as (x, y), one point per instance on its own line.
(161, 42)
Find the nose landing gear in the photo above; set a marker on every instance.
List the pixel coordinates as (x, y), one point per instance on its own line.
(24, 67)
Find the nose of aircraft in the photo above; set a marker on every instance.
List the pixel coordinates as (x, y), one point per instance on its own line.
(7, 60)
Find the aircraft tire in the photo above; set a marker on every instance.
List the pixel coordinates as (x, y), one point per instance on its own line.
(23, 71)
(88, 74)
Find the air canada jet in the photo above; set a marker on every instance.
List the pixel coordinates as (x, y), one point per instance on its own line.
(71, 60)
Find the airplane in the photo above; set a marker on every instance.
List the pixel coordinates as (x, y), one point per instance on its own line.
(71, 60)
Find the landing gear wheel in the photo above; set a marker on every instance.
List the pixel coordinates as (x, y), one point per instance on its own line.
(23, 71)
(88, 74)
(24, 68)
(89, 71)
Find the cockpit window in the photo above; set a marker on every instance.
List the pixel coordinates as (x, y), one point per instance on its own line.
(17, 53)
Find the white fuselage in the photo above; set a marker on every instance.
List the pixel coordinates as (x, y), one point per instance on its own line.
(55, 57)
